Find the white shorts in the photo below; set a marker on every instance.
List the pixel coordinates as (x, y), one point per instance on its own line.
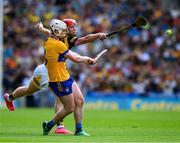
(40, 76)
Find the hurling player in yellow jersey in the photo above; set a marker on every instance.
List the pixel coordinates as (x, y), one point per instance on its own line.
(60, 81)
(40, 79)
(71, 40)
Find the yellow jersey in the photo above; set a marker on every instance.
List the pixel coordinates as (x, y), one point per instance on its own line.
(55, 51)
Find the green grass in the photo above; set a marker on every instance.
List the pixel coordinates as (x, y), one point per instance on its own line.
(24, 125)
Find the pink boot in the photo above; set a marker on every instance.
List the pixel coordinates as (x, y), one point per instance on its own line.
(9, 104)
(61, 130)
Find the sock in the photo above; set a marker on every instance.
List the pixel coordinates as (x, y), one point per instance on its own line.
(78, 127)
(11, 98)
(50, 124)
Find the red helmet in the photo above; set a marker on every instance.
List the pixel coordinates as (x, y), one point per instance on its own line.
(70, 22)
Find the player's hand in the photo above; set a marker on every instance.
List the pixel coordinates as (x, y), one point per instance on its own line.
(91, 61)
(39, 26)
(102, 36)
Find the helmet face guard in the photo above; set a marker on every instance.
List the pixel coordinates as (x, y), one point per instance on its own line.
(58, 28)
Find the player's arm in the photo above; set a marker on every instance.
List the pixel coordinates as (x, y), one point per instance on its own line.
(78, 58)
(39, 26)
(89, 38)
(63, 50)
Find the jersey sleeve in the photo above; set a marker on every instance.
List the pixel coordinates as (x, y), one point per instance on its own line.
(71, 41)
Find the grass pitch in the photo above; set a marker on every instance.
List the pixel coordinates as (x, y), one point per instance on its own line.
(24, 125)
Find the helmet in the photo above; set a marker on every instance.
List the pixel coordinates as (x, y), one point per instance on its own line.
(70, 22)
(58, 28)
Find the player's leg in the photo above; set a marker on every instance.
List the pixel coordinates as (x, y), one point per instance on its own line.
(63, 90)
(25, 90)
(60, 125)
(78, 112)
(39, 80)
(68, 107)
(19, 92)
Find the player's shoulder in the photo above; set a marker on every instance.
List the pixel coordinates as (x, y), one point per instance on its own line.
(61, 44)
(71, 38)
(56, 41)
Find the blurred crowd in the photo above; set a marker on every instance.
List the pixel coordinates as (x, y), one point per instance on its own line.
(139, 61)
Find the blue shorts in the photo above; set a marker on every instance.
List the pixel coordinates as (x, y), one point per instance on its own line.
(62, 88)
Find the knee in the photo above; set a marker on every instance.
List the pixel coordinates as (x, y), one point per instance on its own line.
(80, 102)
(71, 109)
(28, 91)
